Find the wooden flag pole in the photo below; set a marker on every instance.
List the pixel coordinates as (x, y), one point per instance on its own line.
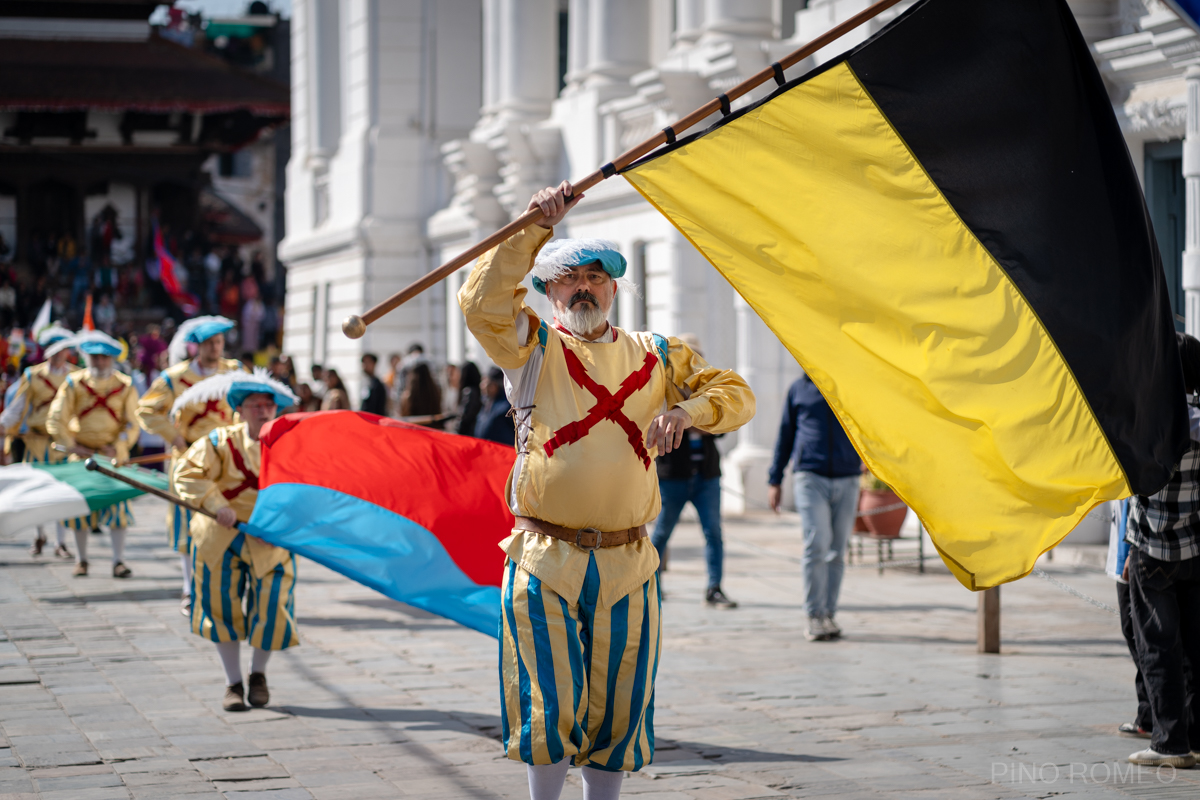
(92, 465)
(354, 326)
(150, 459)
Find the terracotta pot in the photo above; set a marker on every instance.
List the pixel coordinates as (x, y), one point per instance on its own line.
(885, 525)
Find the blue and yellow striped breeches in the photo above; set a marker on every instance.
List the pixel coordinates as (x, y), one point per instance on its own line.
(179, 530)
(578, 678)
(114, 516)
(268, 618)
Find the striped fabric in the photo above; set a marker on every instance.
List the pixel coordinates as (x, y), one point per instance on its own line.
(269, 602)
(578, 677)
(115, 516)
(179, 521)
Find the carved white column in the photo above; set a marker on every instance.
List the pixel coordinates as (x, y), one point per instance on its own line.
(747, 18)
(578, 22)
(689, 21)
(618, 40)
(1191, 175)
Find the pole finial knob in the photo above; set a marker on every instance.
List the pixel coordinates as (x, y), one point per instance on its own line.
(354, 327)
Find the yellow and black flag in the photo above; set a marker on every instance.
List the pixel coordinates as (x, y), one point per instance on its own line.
(945, 228)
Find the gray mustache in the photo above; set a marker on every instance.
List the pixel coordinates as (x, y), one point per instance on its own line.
(582, 295)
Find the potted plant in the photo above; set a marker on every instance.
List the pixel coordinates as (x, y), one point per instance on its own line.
(875, 495)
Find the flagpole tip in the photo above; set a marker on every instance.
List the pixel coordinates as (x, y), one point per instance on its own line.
(354, 327)
(90, 465)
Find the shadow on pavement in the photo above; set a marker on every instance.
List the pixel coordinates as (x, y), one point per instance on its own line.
(482, 724)
(732, 755)
(134, 596)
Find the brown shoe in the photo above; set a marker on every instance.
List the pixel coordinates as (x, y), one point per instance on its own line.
(233, 698)
(80, 570)
(36, 549)
(62, 552)
(259, 694)
(121, 571)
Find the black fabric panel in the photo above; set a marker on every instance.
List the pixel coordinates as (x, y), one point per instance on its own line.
(1002, 104)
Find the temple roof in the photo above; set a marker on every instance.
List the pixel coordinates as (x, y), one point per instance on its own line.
(154, 76)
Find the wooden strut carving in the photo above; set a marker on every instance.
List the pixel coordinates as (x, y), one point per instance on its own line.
(354, 326)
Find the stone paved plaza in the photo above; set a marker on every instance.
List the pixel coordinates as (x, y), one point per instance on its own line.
(105, 694)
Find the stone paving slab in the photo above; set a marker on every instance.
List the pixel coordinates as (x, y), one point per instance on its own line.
(105, 693)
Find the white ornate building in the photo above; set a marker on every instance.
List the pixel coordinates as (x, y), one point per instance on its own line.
(421, 126)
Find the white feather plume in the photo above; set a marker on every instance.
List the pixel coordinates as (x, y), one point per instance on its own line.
(555, 259)
(177, 351)
(83, 337)
(46, 334)
(217, 388)
(60, 345)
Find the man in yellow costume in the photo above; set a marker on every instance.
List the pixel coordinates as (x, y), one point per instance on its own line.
(179, 431)
(580, 628)
(25, 417)
(95, 411)
(244, 588)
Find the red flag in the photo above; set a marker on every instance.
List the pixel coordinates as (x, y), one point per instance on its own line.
(168, 274)
(89, 324)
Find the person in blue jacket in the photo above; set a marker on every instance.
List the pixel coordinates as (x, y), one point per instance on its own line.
(494, 423)
(825, 471)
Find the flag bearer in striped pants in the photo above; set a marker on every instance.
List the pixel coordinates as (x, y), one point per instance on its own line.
(244, 588)
(26, 415)
(95, 411)
(207, 336)
(594, 404)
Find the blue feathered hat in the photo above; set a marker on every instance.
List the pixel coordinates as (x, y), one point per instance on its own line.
(98, 343)
(558, 257)
(234, 387)
(195, 331)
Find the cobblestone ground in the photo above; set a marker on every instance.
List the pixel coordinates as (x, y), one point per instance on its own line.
(105, 694)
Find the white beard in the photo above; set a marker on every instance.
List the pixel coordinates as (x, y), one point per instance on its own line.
(582, 321)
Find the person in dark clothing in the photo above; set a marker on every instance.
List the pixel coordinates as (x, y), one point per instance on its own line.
(494, 422)
(1163, 570)
(374, 393)
(692, 473)
(825, 473)
(470, 398)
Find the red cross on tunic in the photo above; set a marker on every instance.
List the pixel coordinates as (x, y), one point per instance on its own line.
(53, 391)
(250, 481)
(101, 402)
(211, 407)
(608, 406)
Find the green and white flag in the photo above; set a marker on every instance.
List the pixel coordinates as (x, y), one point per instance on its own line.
(34, 494)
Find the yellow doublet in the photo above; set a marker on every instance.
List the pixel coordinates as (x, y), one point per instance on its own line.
(37, 388)
(193, 422)
(221, 471)
(598, 481)
(572, 616)
(95, 413)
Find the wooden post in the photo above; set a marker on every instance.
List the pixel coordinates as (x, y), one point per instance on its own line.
(989, 620)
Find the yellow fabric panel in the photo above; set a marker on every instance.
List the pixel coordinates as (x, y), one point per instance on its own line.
(945, 380)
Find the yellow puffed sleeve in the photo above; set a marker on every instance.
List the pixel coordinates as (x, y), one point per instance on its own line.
(717, 400)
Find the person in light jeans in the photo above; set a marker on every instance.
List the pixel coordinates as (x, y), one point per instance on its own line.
(826, 473)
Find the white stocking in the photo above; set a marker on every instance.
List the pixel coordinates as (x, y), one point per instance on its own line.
(258, 660)
(81, 543)
(546, 780)
(601, 785)
(61, 532)
(186, 563)
(118, 544)
(228, 651)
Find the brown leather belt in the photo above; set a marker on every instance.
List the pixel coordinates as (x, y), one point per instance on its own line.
(587, 538)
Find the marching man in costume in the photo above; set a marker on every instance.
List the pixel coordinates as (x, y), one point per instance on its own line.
(594, 404)
(95, 411)
(244, 587)
(26, 416)
(190, 424)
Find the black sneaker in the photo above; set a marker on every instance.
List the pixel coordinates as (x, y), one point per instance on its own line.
(715, 597)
